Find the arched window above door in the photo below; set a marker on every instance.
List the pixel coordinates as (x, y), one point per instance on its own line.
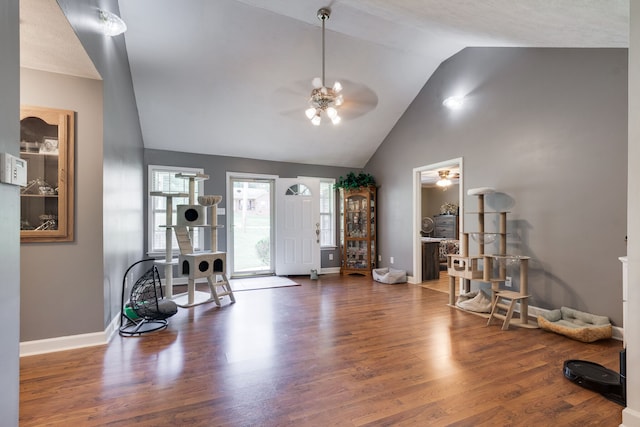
(298, 190)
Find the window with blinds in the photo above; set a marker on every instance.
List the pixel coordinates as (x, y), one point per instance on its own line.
(163, 178)
(327, 213)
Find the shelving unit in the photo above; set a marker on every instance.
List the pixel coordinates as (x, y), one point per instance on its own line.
(490, 268)
(359, 231)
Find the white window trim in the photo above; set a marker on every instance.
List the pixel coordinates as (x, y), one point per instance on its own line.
(229, 207)
(150, 224)
(333, 213)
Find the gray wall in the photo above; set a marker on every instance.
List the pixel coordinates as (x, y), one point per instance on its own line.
(218, 166)
(433, 198)
(122, 169)
(71, 271)
(9, 214)
(548, 129)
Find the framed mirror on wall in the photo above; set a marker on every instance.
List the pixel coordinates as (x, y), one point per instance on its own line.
(47, 201)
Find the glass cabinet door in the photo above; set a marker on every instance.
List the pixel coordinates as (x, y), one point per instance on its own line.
(46, 202)
(357, 256)
(356, 213)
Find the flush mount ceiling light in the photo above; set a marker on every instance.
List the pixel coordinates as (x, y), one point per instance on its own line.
(112, 24)
(324, 100)
(454, 102)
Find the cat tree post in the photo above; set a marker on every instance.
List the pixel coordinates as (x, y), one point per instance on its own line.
(481, 224)
(214, 228)
(502, 248)
(168, 250)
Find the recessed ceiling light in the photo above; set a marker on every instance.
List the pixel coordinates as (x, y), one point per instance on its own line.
(454, 102)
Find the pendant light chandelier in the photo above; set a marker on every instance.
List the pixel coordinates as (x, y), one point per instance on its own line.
(324, 100)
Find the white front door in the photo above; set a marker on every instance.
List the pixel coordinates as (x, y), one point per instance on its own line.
(297, 226)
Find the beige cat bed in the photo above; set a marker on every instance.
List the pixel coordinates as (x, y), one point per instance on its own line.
(581, 326)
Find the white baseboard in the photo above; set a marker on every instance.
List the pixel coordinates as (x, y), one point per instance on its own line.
(630, 418)
(112, 327)
(329, 270)
(50, 345)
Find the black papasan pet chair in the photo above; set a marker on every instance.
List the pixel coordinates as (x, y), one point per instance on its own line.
(147, 310)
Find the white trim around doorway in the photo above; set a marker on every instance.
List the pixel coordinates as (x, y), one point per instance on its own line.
(417, 211)
(229, 205)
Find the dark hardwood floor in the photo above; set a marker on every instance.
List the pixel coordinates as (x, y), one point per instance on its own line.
(341, 351)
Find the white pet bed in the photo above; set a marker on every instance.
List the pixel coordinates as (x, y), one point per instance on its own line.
(389, 276)
(474, 301)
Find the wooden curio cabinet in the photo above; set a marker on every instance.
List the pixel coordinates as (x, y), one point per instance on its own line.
(359, 231)
(46, 202)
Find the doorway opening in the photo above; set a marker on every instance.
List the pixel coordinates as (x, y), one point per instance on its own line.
(251, 219)
(424, 183)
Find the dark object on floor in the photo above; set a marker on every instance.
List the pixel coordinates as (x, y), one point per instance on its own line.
(147, 309)
(597, 378)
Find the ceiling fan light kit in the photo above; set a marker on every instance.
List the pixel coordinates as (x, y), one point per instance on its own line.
(443, 182)
(324, 100)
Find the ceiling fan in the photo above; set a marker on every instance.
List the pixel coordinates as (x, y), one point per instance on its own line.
(446, 177)
(343, 100)
(291, 100)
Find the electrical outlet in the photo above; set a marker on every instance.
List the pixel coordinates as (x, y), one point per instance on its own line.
(507, 281)
(380, 258)
(330, 257)
(391, 259)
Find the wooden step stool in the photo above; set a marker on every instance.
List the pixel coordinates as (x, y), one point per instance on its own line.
(498, 306)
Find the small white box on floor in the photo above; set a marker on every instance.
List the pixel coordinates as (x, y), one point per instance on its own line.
(389, 276)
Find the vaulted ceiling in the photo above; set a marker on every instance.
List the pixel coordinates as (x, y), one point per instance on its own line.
(233, 77)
